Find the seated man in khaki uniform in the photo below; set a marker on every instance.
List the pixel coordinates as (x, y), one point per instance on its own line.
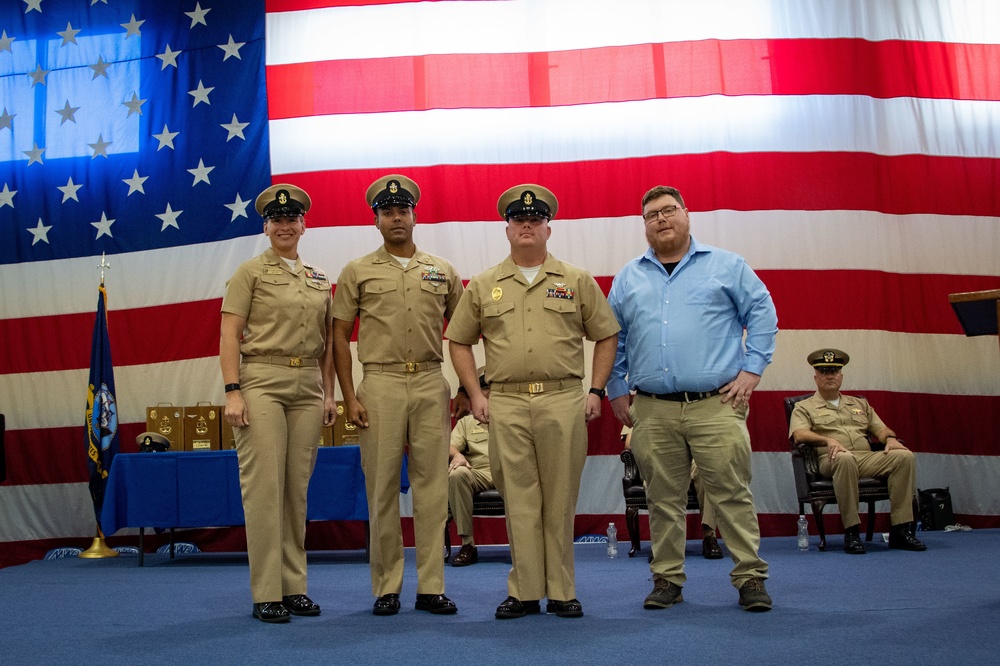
(839, 425)
(710, 548)
(468, 473)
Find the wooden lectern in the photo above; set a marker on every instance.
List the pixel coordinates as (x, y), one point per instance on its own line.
(978, 311)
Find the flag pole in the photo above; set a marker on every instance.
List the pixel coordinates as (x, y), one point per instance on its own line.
(98, 548)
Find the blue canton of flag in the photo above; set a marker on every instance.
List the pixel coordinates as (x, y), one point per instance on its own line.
(102, 408)
(128, 125)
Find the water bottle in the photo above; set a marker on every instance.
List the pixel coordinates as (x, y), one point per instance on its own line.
(803, 534)
(612, 541)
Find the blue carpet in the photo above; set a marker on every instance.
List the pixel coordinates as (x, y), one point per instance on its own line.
(887, 607)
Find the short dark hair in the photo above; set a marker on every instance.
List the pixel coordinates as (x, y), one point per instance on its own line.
(660, 191)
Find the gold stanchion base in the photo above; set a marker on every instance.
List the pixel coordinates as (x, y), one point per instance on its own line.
(98, 550)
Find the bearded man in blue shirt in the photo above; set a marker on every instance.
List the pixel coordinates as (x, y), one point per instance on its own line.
(683, 307)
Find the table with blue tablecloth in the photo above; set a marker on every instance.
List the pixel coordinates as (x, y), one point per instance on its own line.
(202, 489)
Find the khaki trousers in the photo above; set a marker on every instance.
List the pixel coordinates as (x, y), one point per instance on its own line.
(406, 408)
(666, 437)
(898, 466)
(463, 483)
(277, 453)
(538, 446)
(706, 510)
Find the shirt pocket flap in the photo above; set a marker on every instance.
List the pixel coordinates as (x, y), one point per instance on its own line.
(275, 279)
(559, 305)
(380, 287)
(497, 309)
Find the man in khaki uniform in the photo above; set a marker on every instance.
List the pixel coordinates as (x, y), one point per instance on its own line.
(839, 425)
(533, 312)
(402, 297)
(468, 474)
(277, 314)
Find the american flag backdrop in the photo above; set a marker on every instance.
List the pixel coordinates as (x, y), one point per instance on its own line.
(849, 149)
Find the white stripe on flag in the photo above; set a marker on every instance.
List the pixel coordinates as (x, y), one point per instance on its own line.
(522, 26)
(682, 126)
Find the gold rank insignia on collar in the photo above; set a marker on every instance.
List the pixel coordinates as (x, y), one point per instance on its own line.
(497, 293)
(560, 291)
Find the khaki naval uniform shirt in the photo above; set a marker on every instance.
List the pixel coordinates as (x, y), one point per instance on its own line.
(402, 311)
(533, 333)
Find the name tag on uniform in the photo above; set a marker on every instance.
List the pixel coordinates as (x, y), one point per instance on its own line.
(273, 271)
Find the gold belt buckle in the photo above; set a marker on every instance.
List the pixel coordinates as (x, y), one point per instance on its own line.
(412, 366)
(536, 387)
(295, 362)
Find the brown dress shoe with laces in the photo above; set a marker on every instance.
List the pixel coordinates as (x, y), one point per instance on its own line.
(467, 555)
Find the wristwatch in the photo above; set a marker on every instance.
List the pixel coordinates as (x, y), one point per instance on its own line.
(600, 393)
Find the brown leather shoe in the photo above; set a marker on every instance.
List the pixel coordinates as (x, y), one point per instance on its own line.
(467, 555)
(710, 549)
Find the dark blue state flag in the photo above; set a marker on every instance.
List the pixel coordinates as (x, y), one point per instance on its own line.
(102, 408)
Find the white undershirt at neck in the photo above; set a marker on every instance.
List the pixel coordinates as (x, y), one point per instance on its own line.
(530, 272)
(405, 261)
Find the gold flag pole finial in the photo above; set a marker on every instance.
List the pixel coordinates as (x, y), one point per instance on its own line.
(98, 549)
(102, 266)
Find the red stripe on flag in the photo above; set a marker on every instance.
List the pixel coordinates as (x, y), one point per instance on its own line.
(637, 72)
(900, 185)
(272, 6)
(141, 335)
(148, 335)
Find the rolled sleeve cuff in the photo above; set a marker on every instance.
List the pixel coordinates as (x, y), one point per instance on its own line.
(616, 388)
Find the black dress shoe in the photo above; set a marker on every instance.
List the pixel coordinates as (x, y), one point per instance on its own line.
(852, 542)
(466, 555)
(901, 538)
(710, 548)
(436, 603)
(571, 608)
(271, 612)
(387, 604)
(513, 608)
(300, 604)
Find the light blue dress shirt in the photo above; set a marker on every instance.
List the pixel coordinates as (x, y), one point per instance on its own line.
(684, 332)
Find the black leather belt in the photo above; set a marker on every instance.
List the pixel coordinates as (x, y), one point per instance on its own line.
(681, 396)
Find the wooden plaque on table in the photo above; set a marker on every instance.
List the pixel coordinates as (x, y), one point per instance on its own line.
(201, 428)
(166, 420)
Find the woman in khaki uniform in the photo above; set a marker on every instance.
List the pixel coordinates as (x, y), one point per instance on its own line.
(277, 314)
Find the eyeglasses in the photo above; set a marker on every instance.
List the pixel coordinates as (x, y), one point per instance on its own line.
(666, 212)
(828, 370)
